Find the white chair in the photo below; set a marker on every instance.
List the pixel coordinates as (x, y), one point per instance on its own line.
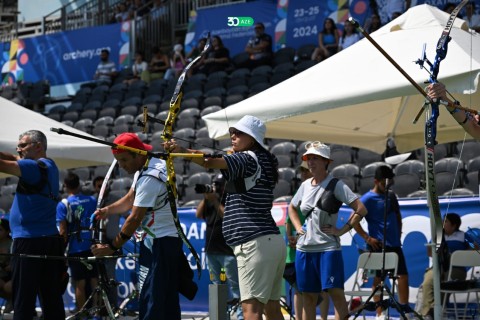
(468, 259)
(371, 261)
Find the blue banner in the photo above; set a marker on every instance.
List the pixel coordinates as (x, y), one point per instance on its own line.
(416, 234)
(215, 21)
(64, 57)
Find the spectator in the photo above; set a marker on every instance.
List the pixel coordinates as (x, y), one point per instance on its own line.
(73, 217)
(196, 51)
(319, 261)
(375, 203)
(218, 59)
(219, 254)
(455, 240)
(34, 229)
(106, 69)
(138, 67)
(248, 226)
(178, 60)
(123, 14)
(327, 41)
(373, 23)
(349, 37)
(157, 67)
(164, 269)
(468, 121)
(259, 47)
(472, 17)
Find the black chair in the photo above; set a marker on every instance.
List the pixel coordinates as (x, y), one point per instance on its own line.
(279, 77)
(304, 65)
(283, 55)
(264, 70)
(89, 114)
(304, 52)
(108, 112)
(71, 115)
(282, 188)
(210, 109)
(364, 157)
(451, 165)
(232, 99)
(405, 184)
(112, 103)
(241, 73)
(85, 125)
(133, 110)
(199, 178)
(366, 176)
(468, 150)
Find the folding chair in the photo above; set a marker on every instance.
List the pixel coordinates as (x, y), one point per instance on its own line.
(468, 259)
(371, 261)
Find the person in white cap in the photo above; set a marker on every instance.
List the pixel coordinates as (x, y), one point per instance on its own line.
(318, 261)
(248, 226)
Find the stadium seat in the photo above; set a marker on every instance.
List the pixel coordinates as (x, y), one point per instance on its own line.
(112, 103)
(101, 130)
(124, 119)
(304, 52)
(304, 65)
(133, 94)
(108, 112)
(240, 73)
(95, 105)
(217, 75)
(56, 117)
(212, 101)
(210, 109)
(452, 165)
(283, 55)
(288, 67)
(282, 188)
(71, 115)
(203, 132)
(190, 103)
(240, 60)
(151, 107)
(124, 183)
(259, 87)
(287, 174)
(366, 176)
(233, 98)
(119, 87)
(199, 178)
(468, 150)
(133, 101)
(240, 89)
(405, 184)
(264, 70)
(89, 114)
(364, 157)
(83, 173)
(61, 109)
(193, 85)
(152, 99)
(261, 78)
(279, 77)
(214, 83)
(216, 92)
(85, 125)
(121, 128)
(133, 110)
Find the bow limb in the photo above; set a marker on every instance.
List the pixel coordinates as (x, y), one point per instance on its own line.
(99, 234)
(436, 223)
(167, 134)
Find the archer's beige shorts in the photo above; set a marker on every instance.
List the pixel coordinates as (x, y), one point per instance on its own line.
(261, 263)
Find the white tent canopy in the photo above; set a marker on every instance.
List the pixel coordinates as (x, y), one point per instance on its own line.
(67, 151)
(358, 98)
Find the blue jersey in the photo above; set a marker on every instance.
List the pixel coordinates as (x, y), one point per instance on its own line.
(33, 215)
(77, 215)
(375, 204)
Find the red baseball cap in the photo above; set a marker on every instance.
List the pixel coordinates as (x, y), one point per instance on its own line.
(131, 140)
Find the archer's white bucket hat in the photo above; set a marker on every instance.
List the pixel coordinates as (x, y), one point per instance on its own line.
(252, 126)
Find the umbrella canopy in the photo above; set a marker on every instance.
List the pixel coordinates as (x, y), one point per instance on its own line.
(358, 98)
(67, 151)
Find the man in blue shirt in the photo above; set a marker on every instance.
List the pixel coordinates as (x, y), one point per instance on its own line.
(374, 201)
(73, 216)
(34, 230)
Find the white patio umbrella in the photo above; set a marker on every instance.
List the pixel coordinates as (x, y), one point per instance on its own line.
(358, 98)
(67, 151)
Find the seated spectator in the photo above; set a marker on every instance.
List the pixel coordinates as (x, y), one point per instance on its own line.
(139, 65)
(373, 23)
(349, 37)
(195, 52)
(157, 67)
(327, 41)
(178, 60)
(122, 13)
(455, 240)
(471, 17)
(217, 59)
(259, 47)
(106, 69)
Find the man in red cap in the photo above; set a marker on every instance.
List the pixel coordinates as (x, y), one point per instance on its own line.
(161, 255)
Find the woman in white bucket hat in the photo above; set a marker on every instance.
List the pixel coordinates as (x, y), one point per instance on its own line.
(248, 226)
(318, 260)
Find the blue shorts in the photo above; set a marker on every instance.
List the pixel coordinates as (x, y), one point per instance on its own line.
(319, 271)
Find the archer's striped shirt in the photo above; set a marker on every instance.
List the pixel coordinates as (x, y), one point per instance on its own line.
(248, 215)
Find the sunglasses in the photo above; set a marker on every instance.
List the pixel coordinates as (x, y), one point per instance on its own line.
(313, 144)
